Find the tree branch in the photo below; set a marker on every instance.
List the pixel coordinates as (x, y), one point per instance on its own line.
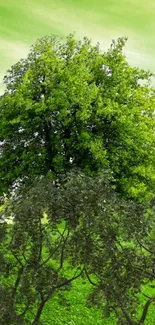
(25, 310)
(145, 310)
(48, 258)
(14, 290)
(41, 240)
(88, 277)
(63, 284)
(16, 257)
(62, 251)
(147, 249)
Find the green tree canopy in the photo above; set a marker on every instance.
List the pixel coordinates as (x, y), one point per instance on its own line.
(68, 104)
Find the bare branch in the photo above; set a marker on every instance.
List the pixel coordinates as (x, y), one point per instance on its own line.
(88, 277)
(25, 259)
(62, 233)
(63, 284)
(147, 249)
(40, 240)
(145, 310)
(25, 310)
(62, 251)
(15, 287)
(49, 257)
(16, 257)
(70, 280)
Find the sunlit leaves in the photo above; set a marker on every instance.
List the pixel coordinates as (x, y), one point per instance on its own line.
(70, 104)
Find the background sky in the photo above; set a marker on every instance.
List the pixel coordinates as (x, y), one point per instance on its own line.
(22, 22)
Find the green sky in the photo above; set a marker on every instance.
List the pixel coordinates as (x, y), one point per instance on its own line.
(22, 22)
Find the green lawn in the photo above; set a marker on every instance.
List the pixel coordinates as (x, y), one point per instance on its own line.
(73, 309)
(75, 312)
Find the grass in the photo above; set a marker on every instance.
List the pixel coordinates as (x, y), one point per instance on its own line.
(71, 308)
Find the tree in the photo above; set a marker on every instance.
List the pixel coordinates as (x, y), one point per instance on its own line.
(35, 253)
(117, 247)
(68, 105)
(89, 231)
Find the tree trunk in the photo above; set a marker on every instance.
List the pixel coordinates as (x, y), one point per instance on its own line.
(39, 312)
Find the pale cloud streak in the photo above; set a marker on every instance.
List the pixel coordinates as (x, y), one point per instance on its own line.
(10, 53)
(100, 20)
(13, 50)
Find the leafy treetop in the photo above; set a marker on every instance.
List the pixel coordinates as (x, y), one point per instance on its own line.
(68, 104)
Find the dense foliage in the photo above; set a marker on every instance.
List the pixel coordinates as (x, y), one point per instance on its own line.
(77, 168)
(86, 231)
(69, 104)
